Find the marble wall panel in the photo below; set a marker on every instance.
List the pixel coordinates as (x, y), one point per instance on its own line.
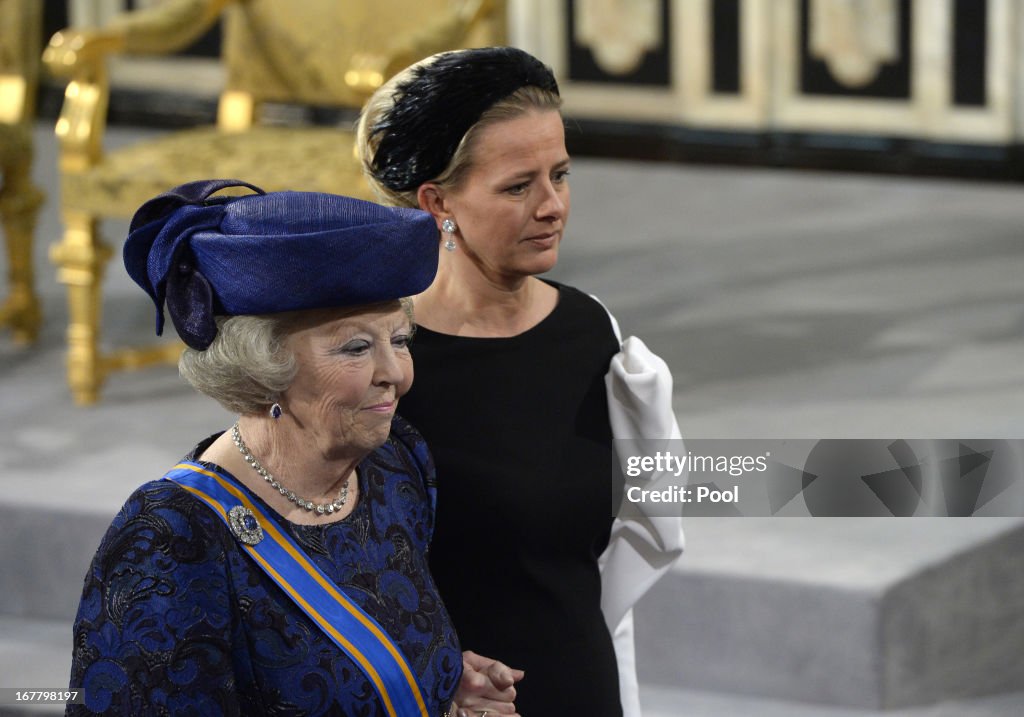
(940, 70)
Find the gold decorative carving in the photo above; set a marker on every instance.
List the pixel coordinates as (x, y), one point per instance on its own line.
(20, 199)
(619, 32)
(854, 37)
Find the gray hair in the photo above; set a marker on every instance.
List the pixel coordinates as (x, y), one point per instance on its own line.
(525, 99)
(247, 367)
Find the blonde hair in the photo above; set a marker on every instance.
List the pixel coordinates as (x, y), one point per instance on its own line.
(526, 99)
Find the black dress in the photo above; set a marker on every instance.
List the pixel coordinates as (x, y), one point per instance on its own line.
(519, 432)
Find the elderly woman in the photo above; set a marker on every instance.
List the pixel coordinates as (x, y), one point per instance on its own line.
(280, 567)
(511, 394)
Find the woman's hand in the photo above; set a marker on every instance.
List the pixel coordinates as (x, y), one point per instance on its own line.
(487, 686)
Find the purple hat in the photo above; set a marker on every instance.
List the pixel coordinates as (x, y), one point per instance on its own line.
(264, 253)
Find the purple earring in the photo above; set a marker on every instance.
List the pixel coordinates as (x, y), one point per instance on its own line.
(275, 411)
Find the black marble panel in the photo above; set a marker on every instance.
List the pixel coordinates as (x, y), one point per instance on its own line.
(55, 17)
(726, 58)
(970, 49)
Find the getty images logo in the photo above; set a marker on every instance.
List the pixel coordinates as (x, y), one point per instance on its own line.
(826, 477)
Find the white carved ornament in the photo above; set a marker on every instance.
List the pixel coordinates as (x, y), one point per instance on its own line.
(854, 37)
(619, 32)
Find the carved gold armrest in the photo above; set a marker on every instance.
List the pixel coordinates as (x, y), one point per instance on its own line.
(81, 55)
(157, 30)
(369, 70)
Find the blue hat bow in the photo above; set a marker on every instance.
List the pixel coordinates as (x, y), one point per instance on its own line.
(157, 256)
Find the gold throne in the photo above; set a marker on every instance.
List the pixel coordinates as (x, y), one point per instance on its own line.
(19, 198)
(311, 53)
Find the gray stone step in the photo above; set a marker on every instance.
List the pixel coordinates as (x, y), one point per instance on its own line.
(862, 613)
(665, 702)
(44, 556)
(34, 654)
(859, 613)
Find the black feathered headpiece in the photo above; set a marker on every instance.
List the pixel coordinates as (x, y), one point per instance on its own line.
(436, 107)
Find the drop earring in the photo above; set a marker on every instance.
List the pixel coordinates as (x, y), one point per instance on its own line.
(448, 227)
(275, 411)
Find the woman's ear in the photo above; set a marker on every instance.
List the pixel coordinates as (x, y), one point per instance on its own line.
(431, 199)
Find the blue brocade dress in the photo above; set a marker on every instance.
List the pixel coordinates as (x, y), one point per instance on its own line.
(176, 619)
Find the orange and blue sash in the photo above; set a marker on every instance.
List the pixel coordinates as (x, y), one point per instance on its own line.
(348, 626)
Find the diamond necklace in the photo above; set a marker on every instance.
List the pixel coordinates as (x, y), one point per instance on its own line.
(318, 508)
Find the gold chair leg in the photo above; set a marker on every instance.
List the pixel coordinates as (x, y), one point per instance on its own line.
(81, 258)
(19, 206)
